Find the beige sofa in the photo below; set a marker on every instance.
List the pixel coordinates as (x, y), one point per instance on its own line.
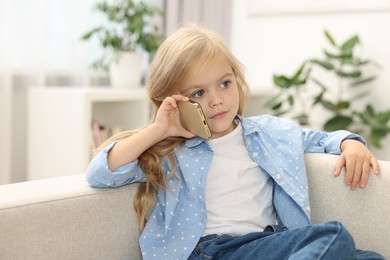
(63, 218)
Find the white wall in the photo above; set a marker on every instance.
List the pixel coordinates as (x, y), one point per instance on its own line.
(5, 105)
(278, 44)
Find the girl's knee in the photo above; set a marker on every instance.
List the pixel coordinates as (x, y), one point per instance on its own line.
(329, 240)
(341, 234)
(338, 227)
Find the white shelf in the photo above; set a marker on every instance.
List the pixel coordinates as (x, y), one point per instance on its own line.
(59, 124)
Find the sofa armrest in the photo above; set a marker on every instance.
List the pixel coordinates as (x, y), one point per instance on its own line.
(365, 212)
(64, 218)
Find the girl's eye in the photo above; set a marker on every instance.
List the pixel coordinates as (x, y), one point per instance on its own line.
(198, 93)
(225, 84)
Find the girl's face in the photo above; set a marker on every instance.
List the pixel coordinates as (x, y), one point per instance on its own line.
(215, 89)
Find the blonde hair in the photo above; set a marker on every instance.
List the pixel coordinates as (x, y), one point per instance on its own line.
(179, 58)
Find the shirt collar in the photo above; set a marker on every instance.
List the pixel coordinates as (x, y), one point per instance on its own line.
(249, 126)
(195, 141)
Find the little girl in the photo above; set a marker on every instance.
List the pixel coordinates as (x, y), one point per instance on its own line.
(243, 193)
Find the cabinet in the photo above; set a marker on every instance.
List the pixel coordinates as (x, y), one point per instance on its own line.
(59, 123)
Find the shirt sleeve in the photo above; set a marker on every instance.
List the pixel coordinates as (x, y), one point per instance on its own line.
(100, 176)
(327, 142)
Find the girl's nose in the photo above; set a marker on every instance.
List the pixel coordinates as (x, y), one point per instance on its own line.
(216, 100)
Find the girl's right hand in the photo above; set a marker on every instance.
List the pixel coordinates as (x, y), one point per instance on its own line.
(166, 124)
(168, 117)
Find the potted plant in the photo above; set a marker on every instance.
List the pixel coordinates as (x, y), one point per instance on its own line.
(128, 32)
(348, 74)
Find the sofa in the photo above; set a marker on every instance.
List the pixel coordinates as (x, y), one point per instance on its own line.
(64, 218)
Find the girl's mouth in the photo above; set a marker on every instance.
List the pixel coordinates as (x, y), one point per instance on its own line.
(219, 115)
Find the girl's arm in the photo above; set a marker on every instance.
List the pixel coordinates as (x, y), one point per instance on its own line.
(130, 148)
(354, 155)
(116, 164)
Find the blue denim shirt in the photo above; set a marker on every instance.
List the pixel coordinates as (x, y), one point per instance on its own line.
(179, 217)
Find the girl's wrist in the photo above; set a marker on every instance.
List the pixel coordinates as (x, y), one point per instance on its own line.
(345, 142)
(158, 131)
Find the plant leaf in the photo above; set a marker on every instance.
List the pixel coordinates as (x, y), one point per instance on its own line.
(299, 71)
(342, 105)
(362, 81)
(328, 105)
(290, 100)
(281, 81)
(370, 111)
(325, 64)
(360, 62)
(375, 138)
(360, 95)
(350, 43)
(384, 117)
(318, 98)
(342, 56)
(90, 33)
(277, 106)
(353, 74)
(377, 134)
(330, 38)
(297, 78)
(337, 123)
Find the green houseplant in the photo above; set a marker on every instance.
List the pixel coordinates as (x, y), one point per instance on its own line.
(348, 73)
(128, 31)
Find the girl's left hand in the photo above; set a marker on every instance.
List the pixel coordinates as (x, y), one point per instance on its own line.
(357, 160)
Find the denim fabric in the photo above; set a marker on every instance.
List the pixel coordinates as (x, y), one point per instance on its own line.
(328, 240)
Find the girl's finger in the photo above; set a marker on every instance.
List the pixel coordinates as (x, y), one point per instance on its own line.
(350, 170)
(339, 165)
(357, 175)
(365, 175)
(375, 165)
(179, 97)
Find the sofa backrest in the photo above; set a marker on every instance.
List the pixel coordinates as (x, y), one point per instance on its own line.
(365, 212)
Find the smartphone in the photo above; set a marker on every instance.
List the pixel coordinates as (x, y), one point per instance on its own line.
(193, 119)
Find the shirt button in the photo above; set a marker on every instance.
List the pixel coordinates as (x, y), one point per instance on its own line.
(308, 209)
(255, 154)
(278, 176)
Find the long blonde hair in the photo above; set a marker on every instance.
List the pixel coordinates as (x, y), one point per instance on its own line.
(179, 58)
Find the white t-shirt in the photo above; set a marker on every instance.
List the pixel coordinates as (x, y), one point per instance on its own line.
(238, 192)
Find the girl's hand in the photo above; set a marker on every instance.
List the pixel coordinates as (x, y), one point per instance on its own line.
(166, 124)
(358, 161)
(168, 117)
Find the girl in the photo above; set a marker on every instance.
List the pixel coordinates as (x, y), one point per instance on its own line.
(241, 194)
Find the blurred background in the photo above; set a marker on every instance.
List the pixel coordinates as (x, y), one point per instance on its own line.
(41, 47)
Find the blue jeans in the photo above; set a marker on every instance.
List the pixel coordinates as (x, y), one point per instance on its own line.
(328, 240)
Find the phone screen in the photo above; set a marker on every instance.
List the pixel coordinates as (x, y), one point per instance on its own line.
(193, 119)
